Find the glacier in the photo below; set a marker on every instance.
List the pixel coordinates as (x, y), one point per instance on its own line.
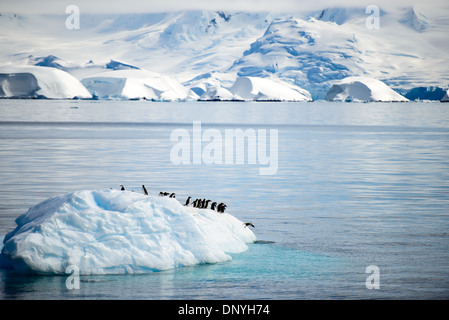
(119, 232)
(362, 89)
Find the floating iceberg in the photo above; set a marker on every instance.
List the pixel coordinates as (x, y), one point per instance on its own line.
(362, 89)
(425, 93)
(446, 97)
(261, 89)
(217, 93)
(136, 84)
(119, 232)
(39, 82)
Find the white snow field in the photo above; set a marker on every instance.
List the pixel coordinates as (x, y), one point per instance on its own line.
(119, 232)
(136, 84)
(34, 82)
(362, 89)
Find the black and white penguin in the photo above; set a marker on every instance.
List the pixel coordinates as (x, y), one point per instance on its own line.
(207, 204)
(144, 190)
(221, 207)
(188, 201)
(248, 224)
(122, 187)
(213, 205)
(172, 195)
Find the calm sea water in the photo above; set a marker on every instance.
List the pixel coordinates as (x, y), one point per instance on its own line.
(357, 185)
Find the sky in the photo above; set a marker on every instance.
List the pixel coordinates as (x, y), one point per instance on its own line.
(142, 6)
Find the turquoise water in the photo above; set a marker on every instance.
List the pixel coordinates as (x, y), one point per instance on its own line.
(356, 185)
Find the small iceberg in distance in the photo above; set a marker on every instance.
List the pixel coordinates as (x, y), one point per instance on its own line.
(446, 97)
(119, 232)
(362, 89)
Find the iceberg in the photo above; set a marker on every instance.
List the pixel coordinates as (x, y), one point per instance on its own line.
(119, 232)
(217, 93)
(262, 89)
(362, 89)
(40, 82)
(136, 84)
(425, 93)
(446, 97)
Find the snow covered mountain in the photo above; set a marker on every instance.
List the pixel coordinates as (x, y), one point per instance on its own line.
(209, 50)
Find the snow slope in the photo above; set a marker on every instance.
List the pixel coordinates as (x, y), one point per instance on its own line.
(136, 84)
(362, 89)
(104, 232)
(33, 81)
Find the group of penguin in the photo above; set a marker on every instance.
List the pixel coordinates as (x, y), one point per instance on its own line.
(203, 204)
(198, 203)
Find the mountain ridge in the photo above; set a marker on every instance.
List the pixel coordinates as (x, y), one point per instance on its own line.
(201, 48)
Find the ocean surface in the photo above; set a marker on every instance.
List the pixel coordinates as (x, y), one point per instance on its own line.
(357, 185)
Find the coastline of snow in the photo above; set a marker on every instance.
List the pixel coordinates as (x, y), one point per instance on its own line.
(40, 82)
(362, 89)
(119, 232)
(136, 84)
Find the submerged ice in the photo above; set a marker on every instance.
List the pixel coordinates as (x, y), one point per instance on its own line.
(103, 232)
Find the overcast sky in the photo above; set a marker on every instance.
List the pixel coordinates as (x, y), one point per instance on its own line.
(129, 6)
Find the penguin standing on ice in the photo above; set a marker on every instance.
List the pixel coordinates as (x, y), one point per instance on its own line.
(172, 195)
(221, 207)
(213, 205)
(188, 201)
(144, 190)
(207, 204)
(248, 224)
(122, 187)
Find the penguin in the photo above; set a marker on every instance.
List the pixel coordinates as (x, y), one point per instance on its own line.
(213, 205)
(195, 203)
(221, 207)
(122, 187)
(187, 201)
(172, 195)
(248, 224)
(161, 194)
(207, 203)
(144, 190)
